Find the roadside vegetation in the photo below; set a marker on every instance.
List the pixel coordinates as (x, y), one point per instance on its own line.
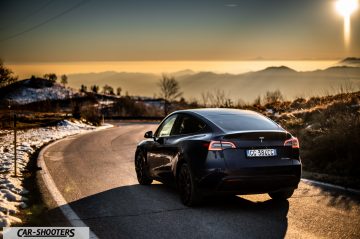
(329, 133)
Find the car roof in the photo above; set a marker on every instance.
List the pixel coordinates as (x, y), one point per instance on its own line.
(205, 113)
(218, 111)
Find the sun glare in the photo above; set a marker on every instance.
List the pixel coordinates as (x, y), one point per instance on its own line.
(346, 8)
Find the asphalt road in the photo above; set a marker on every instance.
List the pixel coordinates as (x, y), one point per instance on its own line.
(95, 174)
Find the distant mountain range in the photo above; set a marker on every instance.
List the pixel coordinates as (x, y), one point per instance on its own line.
(246, 86)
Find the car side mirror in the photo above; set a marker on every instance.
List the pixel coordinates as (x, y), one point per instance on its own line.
(149, 135)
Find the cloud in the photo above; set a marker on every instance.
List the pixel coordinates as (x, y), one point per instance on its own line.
(231, 5)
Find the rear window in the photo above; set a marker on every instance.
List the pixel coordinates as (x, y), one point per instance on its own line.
(236, 122)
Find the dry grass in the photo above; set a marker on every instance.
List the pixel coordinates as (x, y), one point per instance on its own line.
(329, 133)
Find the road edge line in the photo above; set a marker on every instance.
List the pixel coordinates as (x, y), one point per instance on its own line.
(329, 185)
(60, 201)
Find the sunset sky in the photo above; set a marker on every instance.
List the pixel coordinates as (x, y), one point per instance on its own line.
(153, 30)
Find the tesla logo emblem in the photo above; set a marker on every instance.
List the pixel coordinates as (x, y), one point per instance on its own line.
(261, 139)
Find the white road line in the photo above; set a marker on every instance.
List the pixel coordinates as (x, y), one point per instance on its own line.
(71, 216)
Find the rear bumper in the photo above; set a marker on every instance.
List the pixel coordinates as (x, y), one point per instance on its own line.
(251, 180)
(261, 184)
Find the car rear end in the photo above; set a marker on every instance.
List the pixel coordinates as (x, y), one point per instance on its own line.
(252, 161)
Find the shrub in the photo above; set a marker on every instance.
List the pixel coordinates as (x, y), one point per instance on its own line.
(51, 77)
(125, 106)
(108, 90)
(91, 114)
(76, 110)
(298, 103)
(94, 88)
(83, 88)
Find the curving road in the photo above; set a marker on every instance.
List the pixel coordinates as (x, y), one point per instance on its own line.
(95, 174)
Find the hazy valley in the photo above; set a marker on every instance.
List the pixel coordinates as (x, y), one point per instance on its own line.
(246, 86)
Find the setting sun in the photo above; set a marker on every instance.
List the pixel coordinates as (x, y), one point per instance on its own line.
(346, 7)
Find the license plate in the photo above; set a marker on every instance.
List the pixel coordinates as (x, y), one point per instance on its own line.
(261, 152)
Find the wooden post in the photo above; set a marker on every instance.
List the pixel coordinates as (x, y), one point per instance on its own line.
(9, 106)
(15, 159)
(165, 108)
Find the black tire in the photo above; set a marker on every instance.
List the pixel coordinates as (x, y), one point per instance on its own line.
(142, 170)
(282, 195)
(187, 187)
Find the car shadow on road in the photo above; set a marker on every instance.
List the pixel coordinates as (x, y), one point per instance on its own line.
(155, 211)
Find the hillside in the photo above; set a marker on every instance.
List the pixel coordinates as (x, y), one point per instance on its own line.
(245, 86)
(33, 90)
(350, 61)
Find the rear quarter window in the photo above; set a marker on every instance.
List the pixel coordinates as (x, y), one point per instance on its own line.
(190, 125)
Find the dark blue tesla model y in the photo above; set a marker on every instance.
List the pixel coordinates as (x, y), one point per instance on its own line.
(210, 151)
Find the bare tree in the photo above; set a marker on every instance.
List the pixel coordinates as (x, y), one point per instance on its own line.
(205, 97)
(83, 88)
(118, 91)
(6, 75)
(108, 90)
(169, 90)
(64, 80)
(273, 96)
(94, 88)
(217, 98)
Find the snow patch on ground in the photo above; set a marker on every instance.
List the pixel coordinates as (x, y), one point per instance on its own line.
(12, 194)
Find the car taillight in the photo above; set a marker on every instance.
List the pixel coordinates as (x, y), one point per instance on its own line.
(293, 142)
(221, 145)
